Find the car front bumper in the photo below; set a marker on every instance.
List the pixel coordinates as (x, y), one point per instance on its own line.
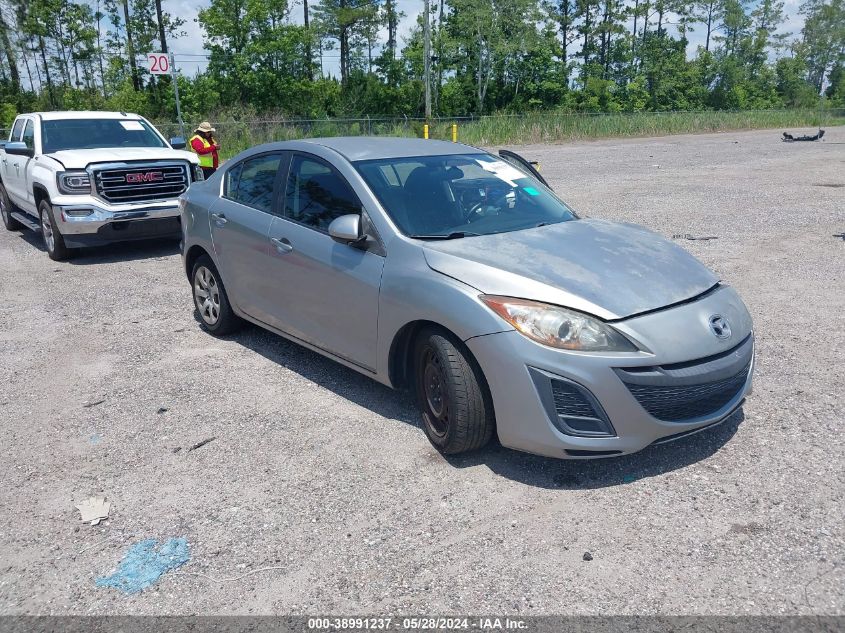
(688, 380)
(89, 222)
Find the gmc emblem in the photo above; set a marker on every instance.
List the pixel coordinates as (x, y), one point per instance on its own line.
(150, 176)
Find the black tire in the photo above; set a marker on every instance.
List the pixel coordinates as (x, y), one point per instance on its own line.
(53, 240)
(452, 395)
(216, 317)
(6, 208)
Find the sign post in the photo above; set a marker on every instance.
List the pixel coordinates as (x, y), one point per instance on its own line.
(162, 64)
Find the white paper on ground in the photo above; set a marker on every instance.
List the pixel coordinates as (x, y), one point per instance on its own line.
(94, 509)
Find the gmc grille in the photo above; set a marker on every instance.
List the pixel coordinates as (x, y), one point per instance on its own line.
(139, 183)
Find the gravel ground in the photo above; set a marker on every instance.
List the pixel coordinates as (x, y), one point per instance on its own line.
(326, 477)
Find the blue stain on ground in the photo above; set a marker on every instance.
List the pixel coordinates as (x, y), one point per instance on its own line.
(143, 564)
(95, 439)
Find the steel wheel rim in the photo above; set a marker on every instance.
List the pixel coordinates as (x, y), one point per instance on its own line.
(207, 295)
(47, 230)
(436, 395)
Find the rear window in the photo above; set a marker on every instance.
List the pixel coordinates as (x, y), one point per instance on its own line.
(97, 133)
(16, 130)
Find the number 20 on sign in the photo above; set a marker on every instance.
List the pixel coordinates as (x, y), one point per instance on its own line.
(159, 63)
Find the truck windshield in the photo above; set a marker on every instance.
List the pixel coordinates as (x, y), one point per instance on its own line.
(97, 133)
(446, 197)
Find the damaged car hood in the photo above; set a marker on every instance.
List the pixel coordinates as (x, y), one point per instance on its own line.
(608, 269)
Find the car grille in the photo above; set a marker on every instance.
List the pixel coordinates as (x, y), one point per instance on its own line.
(143, 182)
(686, 402)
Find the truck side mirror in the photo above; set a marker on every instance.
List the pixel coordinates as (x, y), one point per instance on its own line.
(177, 142)
(19, 149)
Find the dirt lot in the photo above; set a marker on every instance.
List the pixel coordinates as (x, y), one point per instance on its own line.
(326, 477)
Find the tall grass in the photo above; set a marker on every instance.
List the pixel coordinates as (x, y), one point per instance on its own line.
(537, 127)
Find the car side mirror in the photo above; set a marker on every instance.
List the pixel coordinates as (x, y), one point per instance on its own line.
(346, 229)
(19, 149)
(177, 142)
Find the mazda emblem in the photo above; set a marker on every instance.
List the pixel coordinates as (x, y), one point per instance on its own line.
(719, 326)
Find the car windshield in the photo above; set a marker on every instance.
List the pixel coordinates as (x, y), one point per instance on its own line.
(444, 197)
(96, 133)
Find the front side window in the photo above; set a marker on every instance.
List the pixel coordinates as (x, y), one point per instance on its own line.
(463, 194)
(29, 135)
(251, 182)
(316, 194)
(97, 133)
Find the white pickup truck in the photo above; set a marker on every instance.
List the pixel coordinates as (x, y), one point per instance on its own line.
(86, 178)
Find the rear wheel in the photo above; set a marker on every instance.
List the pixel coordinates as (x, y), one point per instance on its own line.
(211, 300)
(452, 394)
(53, 240)
(6, 209)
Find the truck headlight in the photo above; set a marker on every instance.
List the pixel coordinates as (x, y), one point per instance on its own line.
(198, 175)
(558, 327)
(74, 182)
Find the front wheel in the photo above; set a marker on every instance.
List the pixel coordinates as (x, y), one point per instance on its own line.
(211, 300)
(452, 395)
(6, 209)
(53, 240)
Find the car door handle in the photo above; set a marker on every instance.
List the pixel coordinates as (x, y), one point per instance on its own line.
(282, 245)
(219, 219)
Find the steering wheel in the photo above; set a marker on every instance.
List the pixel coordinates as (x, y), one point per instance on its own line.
(474, 212)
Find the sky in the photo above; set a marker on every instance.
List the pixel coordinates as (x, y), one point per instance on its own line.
(189, 50)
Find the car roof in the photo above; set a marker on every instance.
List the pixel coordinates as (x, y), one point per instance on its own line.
(355, 148)
(83, 114)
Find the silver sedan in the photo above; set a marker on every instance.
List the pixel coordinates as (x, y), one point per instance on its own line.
(458, 274)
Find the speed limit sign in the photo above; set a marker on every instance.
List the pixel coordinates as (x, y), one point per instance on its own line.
(159, 63)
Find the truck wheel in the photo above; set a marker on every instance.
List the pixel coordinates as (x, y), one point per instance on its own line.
(6, 209)
(211, 300)
(53, 240)
(452, 394)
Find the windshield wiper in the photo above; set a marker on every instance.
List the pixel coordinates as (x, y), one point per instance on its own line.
(454, 235)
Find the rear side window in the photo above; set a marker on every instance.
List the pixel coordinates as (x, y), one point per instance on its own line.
(232, 178)
(316, 194)
(16, 130)
(29, 135)
(251, 182)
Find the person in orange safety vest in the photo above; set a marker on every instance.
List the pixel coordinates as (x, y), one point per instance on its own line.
(206, 147)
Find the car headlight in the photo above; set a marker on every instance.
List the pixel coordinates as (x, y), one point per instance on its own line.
(198, 173)
(74, 182)
(558, 327)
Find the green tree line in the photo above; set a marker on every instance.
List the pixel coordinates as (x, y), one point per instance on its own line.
(317, 58)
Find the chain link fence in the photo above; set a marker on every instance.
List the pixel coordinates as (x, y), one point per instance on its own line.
(533, 127)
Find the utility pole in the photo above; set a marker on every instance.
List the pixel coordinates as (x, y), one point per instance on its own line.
(176, 94)
(427, 54)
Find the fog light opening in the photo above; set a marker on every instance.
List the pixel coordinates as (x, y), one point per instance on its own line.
(77, 213)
